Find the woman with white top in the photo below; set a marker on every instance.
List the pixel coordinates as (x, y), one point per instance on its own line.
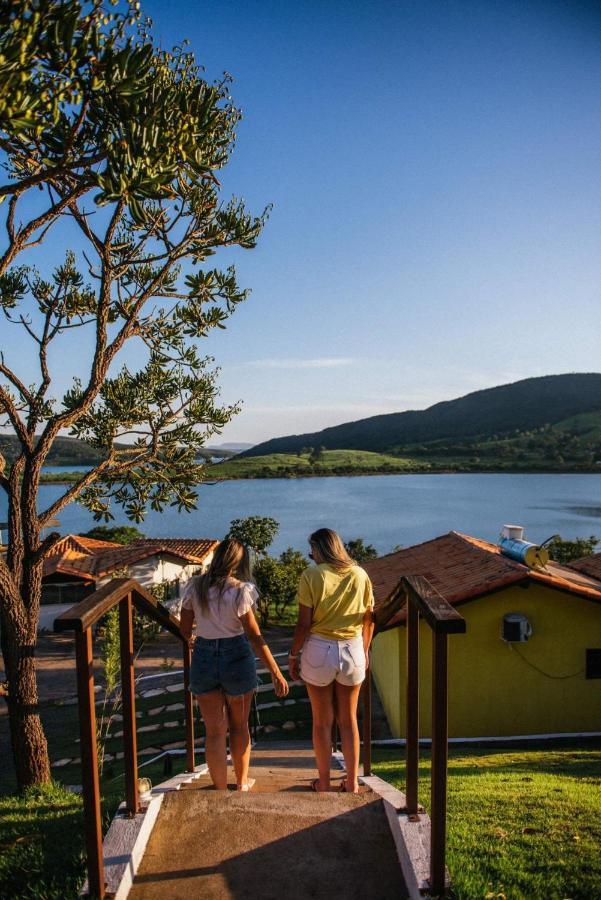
(223, 674)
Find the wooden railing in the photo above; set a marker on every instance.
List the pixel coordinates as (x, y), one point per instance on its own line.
(126, 594)
(413, 597)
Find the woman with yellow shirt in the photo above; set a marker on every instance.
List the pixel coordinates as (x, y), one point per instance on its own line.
(334, 631)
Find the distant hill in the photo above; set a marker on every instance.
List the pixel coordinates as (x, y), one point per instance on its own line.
(510, 408)
(234, 447)
(65, 451)
(68, 451)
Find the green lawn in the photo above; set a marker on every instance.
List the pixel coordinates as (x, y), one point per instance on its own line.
(42, 855)
(522, 824)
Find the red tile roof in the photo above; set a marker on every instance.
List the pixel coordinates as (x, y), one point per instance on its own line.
(87, 558)
(461, 568)
(196, 549)
(590, 565)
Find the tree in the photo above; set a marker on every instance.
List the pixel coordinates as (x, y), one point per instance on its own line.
(255, 532)
(120, 141)
(120, 534)
(360, 551)
(564, 552)
(277, 581)
(316, 454)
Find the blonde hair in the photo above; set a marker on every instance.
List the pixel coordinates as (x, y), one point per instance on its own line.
(231, 558)
(331, 549)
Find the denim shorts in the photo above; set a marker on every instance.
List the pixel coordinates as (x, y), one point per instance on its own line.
(226, 663)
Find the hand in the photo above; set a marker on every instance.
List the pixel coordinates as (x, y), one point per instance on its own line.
(280, 685)
(293, 668)
(366, 660)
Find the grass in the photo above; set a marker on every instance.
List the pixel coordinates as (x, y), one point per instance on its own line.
(42, 853)
(41, 844)
(522, 824)
(331, 462)
(411, 460)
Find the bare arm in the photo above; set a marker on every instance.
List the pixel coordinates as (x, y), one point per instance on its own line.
(259, 645)
(368, 632)
(186, 622)
(301, 633)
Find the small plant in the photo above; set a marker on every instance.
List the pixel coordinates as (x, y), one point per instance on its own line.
(110, 657)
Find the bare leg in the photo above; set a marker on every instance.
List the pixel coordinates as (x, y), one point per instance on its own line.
(346, 714)
(322, 709)
(214, 713)
(239, 711)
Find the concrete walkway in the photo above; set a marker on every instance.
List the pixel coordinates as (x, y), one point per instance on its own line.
(281, 841)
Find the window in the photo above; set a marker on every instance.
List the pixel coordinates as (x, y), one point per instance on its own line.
(593, 663)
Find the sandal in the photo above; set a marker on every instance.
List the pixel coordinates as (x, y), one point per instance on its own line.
(314, 787)
(344, 789)
(247, 786)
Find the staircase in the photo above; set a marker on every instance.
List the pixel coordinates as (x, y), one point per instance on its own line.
(281, 840)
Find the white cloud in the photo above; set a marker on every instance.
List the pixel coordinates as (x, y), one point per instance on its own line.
(323, 362)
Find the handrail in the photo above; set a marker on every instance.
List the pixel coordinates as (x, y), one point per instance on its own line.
(413, 597)
(89, 610)
(126, 594)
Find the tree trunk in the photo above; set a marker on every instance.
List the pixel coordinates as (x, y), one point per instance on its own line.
(30, 750)
(20, 595)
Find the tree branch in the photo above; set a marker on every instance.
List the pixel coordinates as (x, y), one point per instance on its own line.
(73, 492)
(19, 239)
(17, 187)
(46, 546)
(11, 410)
(15, 381)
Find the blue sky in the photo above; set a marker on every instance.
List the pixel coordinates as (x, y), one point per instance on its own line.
(435, 174)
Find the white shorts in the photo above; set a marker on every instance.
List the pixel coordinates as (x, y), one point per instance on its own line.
(324, 661)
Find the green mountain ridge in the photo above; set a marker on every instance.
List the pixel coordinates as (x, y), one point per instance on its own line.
(479, 417)
(68, 451)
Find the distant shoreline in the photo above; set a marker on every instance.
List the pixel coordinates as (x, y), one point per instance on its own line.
(67, 478)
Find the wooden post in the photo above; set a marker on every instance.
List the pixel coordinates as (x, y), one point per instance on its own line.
(412, 708)
(130, 749)
(89, 762)
(189, 704)
(367, 722)
(440, 735)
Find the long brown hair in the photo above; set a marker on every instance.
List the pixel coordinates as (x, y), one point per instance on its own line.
(329, 545)
(231, 558)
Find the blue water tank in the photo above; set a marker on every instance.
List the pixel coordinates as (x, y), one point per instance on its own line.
(523, 551)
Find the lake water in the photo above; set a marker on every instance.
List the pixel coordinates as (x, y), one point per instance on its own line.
(384, 510)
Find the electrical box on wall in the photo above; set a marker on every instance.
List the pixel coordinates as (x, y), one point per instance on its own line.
(516, 629)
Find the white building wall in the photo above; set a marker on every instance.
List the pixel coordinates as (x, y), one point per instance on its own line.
(162, 567)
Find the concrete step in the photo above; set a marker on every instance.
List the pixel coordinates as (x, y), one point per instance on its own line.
(270, 845)
(278, 769)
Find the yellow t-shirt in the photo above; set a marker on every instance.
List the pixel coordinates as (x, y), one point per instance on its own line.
(339, 599)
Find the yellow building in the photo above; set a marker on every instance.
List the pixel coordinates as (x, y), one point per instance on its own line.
(549, 682)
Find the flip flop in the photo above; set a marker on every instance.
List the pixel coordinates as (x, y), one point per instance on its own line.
(247, 786)
(314, 787)
(343, 788)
